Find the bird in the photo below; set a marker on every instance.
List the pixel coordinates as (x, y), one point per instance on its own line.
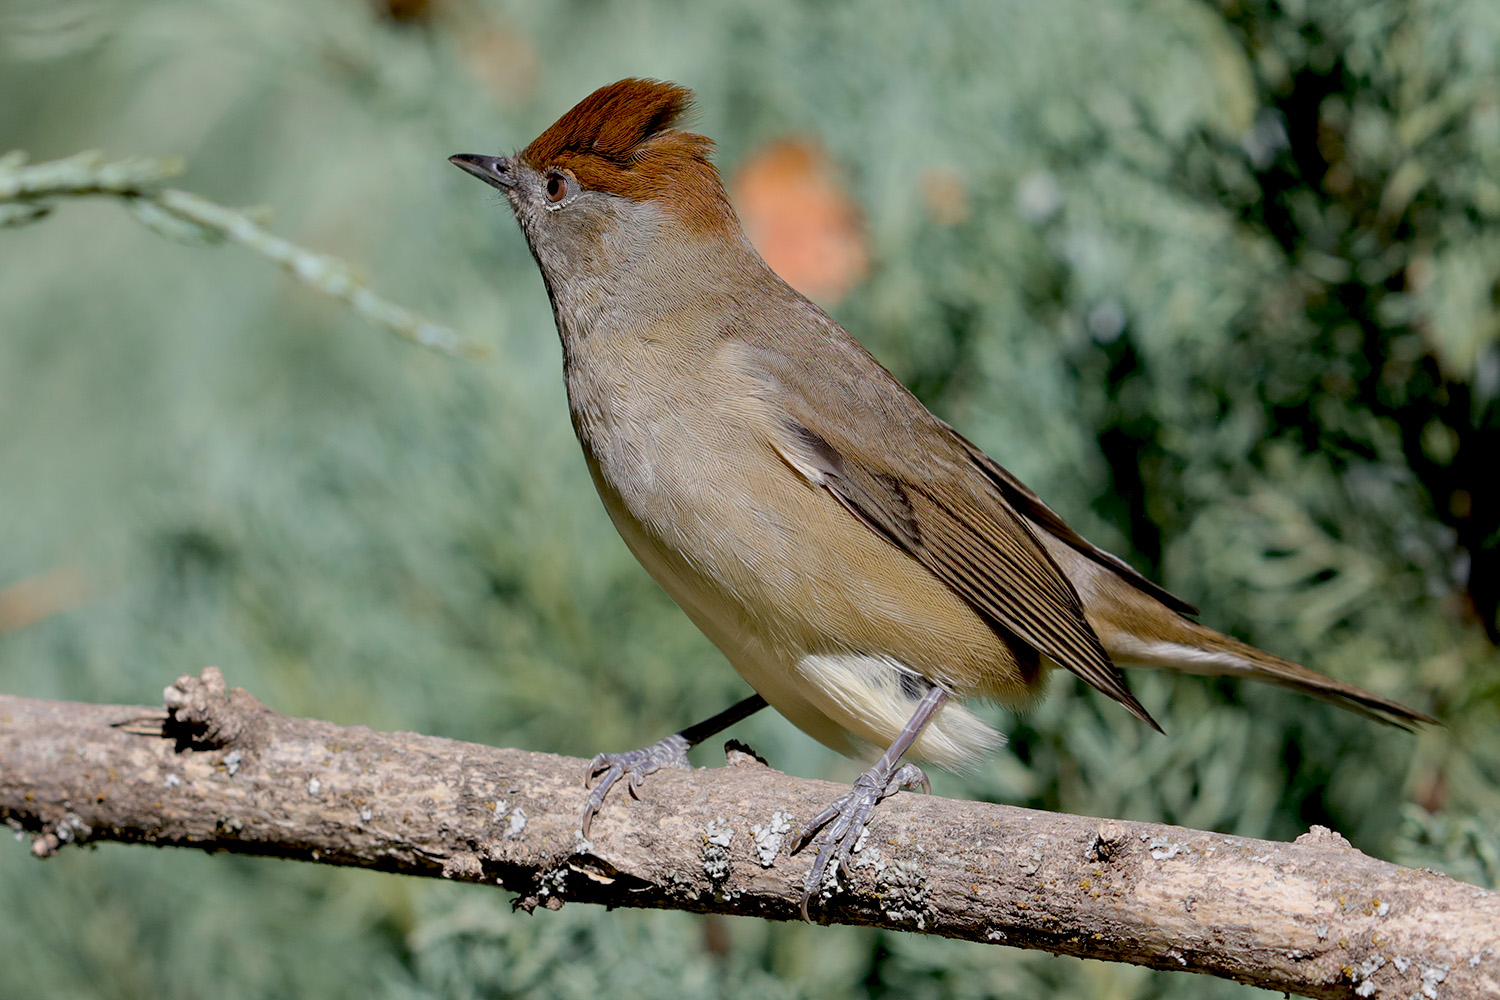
(865, 567)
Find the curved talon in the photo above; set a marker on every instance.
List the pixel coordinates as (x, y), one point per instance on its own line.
(911, 778)
(633, 765)
(596, 767)
(843, 822)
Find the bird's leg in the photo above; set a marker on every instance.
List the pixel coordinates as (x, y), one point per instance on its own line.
(608, 768)
(843, 822)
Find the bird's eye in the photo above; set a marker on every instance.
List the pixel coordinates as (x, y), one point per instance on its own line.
(557, 188)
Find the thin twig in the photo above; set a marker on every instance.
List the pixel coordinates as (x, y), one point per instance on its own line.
(28, 193)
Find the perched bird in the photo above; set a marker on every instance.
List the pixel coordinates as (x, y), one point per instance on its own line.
(863, 566)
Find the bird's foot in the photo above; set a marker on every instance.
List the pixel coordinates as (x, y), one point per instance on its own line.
(608, 768)
(843, 823)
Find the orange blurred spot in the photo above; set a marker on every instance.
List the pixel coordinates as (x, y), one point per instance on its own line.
(946, 197)
(801, 219)
(28, 601)
(502, 59)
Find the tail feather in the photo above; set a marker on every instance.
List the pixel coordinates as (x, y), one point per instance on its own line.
(1135, 627)
(1203, 651)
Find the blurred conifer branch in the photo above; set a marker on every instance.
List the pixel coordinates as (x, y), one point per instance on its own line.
(28, 194)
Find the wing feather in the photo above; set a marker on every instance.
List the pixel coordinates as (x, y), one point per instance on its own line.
(984, 551)
(1036, 510)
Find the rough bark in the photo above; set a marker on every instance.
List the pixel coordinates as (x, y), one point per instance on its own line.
(219, 771)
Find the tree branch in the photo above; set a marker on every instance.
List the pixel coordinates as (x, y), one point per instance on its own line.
(221, 772)
(27, 194)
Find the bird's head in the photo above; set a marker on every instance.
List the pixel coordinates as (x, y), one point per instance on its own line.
(610, 179)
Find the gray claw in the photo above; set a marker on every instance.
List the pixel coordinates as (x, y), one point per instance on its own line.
(843, 822)
(608, 768)
(910, 778)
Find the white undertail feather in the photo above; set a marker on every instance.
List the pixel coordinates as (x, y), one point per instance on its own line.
(1190, 659)
(874, 697)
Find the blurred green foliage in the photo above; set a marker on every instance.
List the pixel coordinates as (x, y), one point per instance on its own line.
(1223, 289)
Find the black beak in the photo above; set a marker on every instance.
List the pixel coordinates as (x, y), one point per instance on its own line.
(493, 170)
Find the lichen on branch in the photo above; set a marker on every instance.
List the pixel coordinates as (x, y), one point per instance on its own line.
(220, 771)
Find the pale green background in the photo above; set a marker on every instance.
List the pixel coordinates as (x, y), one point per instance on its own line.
(359, 530)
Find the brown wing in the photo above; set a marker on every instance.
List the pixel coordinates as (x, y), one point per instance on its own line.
(1031, 506)
(976, 544)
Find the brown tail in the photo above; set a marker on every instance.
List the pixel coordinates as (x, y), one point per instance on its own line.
(1136, 628)
(1199, 650)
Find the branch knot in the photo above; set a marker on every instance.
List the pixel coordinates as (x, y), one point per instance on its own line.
(204, 714)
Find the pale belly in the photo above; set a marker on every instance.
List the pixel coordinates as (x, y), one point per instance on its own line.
(805, 639)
